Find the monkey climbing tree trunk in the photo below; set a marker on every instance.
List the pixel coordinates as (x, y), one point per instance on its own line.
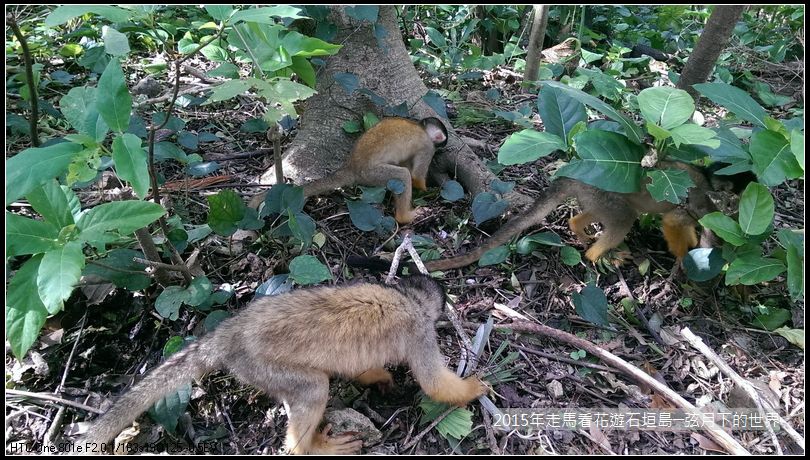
(714, 38)
(538, 33)
(321, 146)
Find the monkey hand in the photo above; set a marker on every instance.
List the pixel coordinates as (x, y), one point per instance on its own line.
(379, 377)
(342, 444)
(419, 184)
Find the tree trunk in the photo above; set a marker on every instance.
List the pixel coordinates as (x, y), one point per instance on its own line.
(321, 146)
(714, 38)
(538, 33)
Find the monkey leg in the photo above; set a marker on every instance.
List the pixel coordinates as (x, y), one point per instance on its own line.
(380, 176)
(308, 392)
(680, 234)
(419, 171)
(440, 383)
(612, 236)
(578, 224)
(377, 376)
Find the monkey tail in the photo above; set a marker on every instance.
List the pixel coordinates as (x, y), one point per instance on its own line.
(340, 178)
(552, 197)
(192, 362)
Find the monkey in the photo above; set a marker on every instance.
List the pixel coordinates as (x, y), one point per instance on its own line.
(615, 211)
(394, 148)
(290, 344)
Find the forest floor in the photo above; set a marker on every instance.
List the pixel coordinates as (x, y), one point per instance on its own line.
(95, 349)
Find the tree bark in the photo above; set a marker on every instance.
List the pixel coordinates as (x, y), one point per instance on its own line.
(321, 146)
(538, 33)
(714, 38)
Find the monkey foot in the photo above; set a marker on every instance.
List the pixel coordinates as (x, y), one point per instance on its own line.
(342, 444)
(380, 378)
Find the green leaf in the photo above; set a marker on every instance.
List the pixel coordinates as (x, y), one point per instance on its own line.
(65, 13)
(115, 43)
(570, 256)
(225, 210)
(58, 273)
(198, 291)
(486, 206)
(756, 209)
(219, 12)
(71, 50)
(734, 99)
(659, 133)
(302, 227)
(228, 90)
(113, 100)
(665, 106)
(79, 108)
(363, 215)
(373, 195)
(33, 167)
(753, 269)
(560, 112)
(528, 145)
(214, 319)
(51, 202)
(591, 304)
(169, 301)
(703, 264)
(167, 410)
(28, 236)
(793, 241)
(364, 13)
(772, 319)
(122, 216)
(794, 336)
(494, 256)
(267, 15)
(130, 162)
(123, 271)
(452, 191)
(25, 312)
(725, 227)
(693, 134)
(608, 161)
(225, 69)
(774, 161)
(300, 45)
(308, 270)
(633, 132)
(797, 146)
(303, 68)
(456, 425)
(669, 184)
(529, 243)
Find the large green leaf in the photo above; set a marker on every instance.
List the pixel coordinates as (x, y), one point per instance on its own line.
(756, 209)
(486, 206)
(219, 12)
(363, 215)
(774, 162)
(113, 100)
(130, 162)
(51, 202)
(753, 269)
(261, 43)
(28, 236)
(33, 167)
(115, 43)
(725, 227)
(529, 243)
(669, 184)
(58, 274)
(308, 270)
(607, 160)
(665, 106)
(793, 241)
(559, 112)
(267, 14)
(302, 227)
(735, 100)
(79, 108)
(632, 131)
(494, 256)
(797, 146)
(65, 13)
(124, 217)
(691, 133)
(225, 210)
(528, 145)
(25, 312)
(591, 304)
(228, 90)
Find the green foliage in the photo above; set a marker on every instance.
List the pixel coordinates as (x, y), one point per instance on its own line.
(591, 304)
(456, 425)
(308, 270)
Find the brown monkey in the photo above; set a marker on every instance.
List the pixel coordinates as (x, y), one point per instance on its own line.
(394, 148)
(289, 345)
(615, 211)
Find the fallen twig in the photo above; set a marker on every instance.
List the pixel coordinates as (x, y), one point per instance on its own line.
(50, 397)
